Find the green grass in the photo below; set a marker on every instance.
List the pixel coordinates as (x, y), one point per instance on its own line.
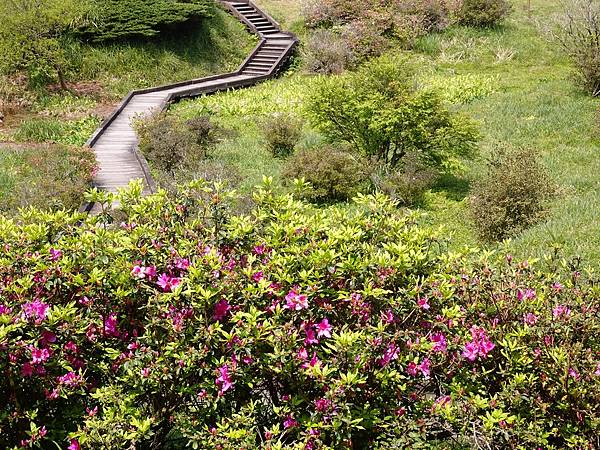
(216, 45)
(512, 80)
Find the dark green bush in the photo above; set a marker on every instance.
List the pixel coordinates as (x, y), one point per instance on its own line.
(170, 145)
(406, 184)
(482, 13)
(119, 19)
(382, 112)
(334, 173)
(513, 196)
(282, 133)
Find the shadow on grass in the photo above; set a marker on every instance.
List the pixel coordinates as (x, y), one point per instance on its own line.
(455, 188)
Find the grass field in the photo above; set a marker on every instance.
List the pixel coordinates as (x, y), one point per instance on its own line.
(521, 92)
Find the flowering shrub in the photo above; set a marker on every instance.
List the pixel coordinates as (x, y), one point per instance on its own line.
(291, 327)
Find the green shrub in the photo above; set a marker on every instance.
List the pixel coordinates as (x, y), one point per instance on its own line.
(513, 195)
(334, 173)
(170, 145)
(381, 112)
(577, 29)
(482, 13)
(45, 176)
(290, 327)
(122, 19)
(282, 133)
(325, 52)
(406, 184)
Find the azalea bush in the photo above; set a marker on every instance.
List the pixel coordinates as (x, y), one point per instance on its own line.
(172, 323)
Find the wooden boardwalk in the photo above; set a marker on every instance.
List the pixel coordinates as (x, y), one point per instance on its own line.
(115, 142)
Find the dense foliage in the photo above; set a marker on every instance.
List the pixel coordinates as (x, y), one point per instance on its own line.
(333, 172)
(119, 19)
(482, 13)
(282, 133)
(171, 145)
(44, 176)
(512, 196)
(383, 112)
(34, 37)
(286, 328)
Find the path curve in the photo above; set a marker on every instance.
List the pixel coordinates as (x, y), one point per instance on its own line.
(115, 142)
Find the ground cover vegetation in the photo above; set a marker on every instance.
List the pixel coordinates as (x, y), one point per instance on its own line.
(177, 323)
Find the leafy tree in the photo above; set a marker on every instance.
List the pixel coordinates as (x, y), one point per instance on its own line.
(34, 35)
(382, 112)
(117, 19)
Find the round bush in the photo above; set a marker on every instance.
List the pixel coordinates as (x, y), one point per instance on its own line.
(282, 133)
(482, 13)
(334, 173)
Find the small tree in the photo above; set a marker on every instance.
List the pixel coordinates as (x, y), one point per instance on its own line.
(382, 112)
(34, 35)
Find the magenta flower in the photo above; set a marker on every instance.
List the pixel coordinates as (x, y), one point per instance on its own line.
(71, 379)
(574, 374)
(323, 405)
(411, 369)
(387, 316)
(324, 329)
(55, 254)
(311, 338)
(528, 294)
(4, 310)
(423, 303)
(530, 319)
(425, 367)
(296, 301)
(561, 311)
(302, 354)
(390, 354)
(145, 372)
(221, 310)
(167, 283)
(258, 277)
(290, 422)
(597, 372)
(439, 342)
(27, 370)
(36, 310)
(74, 445)
(110, 325)
(39, 355)
(470, 351)
(182, 263)
(223, 381)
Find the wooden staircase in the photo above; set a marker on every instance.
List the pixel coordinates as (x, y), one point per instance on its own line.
(115, 142)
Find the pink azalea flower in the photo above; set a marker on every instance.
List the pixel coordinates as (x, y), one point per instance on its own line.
(91, 412)
(290, 422)
(425, 367)
(5, 310)
(145, 372)
(110, 325)
(302, 354)
(182, 263)
(74, 445)
(530, 319)
(439, 342)
(310, 337)
(223, 381)
(39, 355)
(423, 303)
(27, 370)
(36, 310)
(258, 276)
(390, 354)
(561, 311)
(71, 379)
(167, 283)
(322, 405)
(557, 286)
(528, 294)
(574, 374)
(411, 369)
(260, 249)
(470, 351)
(296, 301)
(324, 329)
(221, 310)
(387, 316)
(55, 254)
(597, 372)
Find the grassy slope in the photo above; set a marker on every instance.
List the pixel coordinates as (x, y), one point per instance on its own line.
(534, 104)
